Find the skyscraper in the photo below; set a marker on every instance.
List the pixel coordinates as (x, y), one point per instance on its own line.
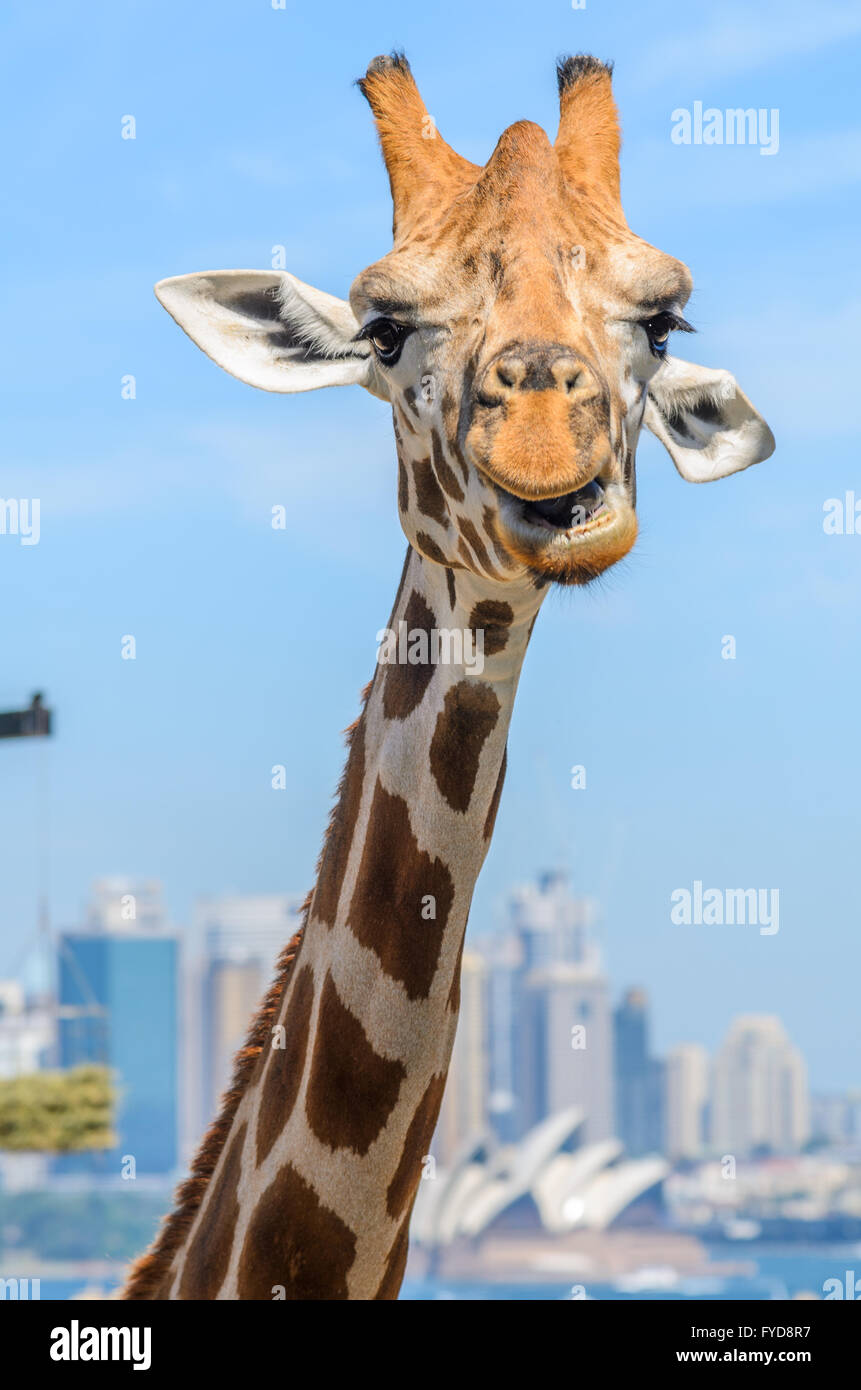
(118, 1006)
(247, 925)
(551, 1036)
(115, 903)
(464, 1113)
(687, 1090)
(26, 1031)
(232, 991)
(638, 1078)
(551, 925)
(760, 1099)
(503, 957)
(567, 1047)
(237, 942)
(836, 1119)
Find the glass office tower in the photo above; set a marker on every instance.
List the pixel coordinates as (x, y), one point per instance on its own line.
(118, 1006)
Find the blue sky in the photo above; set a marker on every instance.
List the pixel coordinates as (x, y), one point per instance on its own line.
(252, 645)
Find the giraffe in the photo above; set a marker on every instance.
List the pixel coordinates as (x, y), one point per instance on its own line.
(519, 331)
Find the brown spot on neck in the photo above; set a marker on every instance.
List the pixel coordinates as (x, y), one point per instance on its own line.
(404, 683)
(352, 1090)
(295, 1244)
(448, 482)
(396, 1263)
(467, 718)
(429, 495)
(477, 545)
(386, 910)
(456, 453)
(403, 1186)
(283, 1075)
(499, 549)
(494, 619)
(452, 588)
(427, 546)
(403, 487)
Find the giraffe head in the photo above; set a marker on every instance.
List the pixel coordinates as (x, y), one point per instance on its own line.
(519, 330)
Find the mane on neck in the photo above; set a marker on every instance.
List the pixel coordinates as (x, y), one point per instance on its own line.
(148, 1274)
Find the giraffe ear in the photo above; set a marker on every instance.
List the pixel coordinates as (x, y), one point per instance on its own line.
(270, 330)
(705, 421)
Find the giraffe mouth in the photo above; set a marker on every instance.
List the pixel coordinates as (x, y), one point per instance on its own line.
(572, 537)
(570, 511)
(568, 518)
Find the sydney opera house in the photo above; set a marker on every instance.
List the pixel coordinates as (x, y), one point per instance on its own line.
(548, 1182)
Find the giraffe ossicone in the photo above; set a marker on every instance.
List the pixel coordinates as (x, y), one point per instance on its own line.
(519, 330)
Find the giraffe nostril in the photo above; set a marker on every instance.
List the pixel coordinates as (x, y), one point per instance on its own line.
(568, 375)
(533, 369)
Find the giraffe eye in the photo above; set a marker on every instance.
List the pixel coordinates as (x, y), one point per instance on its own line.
(658, 330)
(387, 338)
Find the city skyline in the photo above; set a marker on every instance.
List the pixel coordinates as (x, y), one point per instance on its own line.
(252, 644)
(268, 906)
(542, 1038)
(525, 995)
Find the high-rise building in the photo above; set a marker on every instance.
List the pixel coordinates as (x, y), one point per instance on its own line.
(247, 925)
(464, 1113)
(686, 1100)
(551, 1040)
(638, 1078)
(836, 1119)
(232, 990)
(120, 904)
(238, 939)
(760, 1098)
(26, 1031)
(503, 957)
(551, 925)
(566, 1047)
(117, 1005)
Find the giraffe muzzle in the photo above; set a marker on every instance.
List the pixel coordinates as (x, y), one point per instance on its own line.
(572, 537)
(539, 424)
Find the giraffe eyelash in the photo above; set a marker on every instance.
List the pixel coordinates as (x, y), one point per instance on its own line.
(386, 337)
(658, 328)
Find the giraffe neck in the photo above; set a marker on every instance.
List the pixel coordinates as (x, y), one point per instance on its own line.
(313, 1191)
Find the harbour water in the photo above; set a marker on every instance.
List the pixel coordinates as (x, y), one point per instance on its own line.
(775, 1272)
(772, 1272)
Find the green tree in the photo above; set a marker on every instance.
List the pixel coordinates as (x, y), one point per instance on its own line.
(58, 1111)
